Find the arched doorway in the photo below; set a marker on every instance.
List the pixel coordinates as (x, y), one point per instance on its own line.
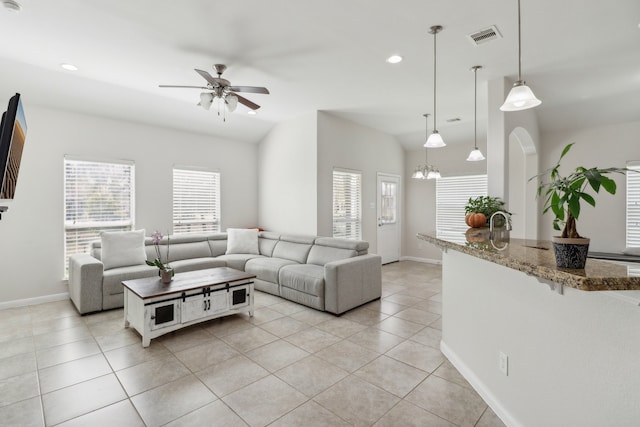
(523, 164)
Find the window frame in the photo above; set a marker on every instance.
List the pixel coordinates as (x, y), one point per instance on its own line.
(73, 225)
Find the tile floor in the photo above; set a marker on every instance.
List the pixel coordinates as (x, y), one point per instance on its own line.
(289, 365)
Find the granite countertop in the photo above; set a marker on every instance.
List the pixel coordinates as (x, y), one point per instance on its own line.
(535, 258)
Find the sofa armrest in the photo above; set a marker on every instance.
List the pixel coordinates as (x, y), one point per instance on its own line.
(85, 282)
(351, 282)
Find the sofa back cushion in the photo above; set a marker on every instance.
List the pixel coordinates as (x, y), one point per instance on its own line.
(293, 248)
(218, 244)
(267, 242)
(320, 255)
(190, 250)
(360, 246)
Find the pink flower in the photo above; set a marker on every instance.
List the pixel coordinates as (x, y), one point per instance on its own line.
(156, 237)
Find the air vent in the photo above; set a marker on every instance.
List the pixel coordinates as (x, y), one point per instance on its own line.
(455, 119)
(485, 36)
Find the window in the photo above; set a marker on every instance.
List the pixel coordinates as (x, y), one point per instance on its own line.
(98, 196)
(388, 194)
(196, 200)
(347, 212)
(633, 205)
(452, 194)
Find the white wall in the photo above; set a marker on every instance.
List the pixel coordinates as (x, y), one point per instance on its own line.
(344, 144)
(287, 177)
(420, 204)
(572, 358)
(604, 146)
(31, 232)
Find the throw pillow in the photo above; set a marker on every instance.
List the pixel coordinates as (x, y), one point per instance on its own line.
(242, 241)
(122, 248)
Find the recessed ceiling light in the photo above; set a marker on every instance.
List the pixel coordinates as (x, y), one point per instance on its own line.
(69, 67)
(394, 59)
(252, 112)
(12, 5)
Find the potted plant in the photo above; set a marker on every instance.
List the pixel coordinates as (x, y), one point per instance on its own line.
(479, 209)
(165, 271)
(563, 197)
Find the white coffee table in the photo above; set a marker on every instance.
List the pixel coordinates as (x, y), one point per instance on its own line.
(154, 308)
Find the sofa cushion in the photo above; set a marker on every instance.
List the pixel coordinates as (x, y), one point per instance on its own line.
(122, 248)
(266, 242)
(320, 255)
(218, 244)
(237, 261)
(334, 242)
(292, 251)
(307, 278)
(186, 250)
(197, 264)
(112, 279)
(266, 268)
(242, 241)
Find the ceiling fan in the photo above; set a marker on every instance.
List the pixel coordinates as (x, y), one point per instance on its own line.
(222, 90)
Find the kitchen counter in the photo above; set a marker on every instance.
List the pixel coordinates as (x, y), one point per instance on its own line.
(564, 357)
(535, 258)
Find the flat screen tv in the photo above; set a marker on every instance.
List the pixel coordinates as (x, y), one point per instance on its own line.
(13, 132)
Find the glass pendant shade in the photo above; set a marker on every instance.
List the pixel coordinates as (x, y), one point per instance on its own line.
(521, 97)
(205, 100)
(232, 102)
(475, 155)
(417, 174)
(434, 140)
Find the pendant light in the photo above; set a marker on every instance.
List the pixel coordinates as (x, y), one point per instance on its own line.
(434, 140)
(426, 171)
(520, 97)
(476, 154)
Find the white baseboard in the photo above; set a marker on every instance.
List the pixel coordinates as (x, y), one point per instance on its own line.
(33, 301)
(479, 387)
(424, 260)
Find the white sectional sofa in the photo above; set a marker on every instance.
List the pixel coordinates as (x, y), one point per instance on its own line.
(325, 273)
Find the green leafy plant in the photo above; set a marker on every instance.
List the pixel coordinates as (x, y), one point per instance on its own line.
(564, 194)
(487, 206)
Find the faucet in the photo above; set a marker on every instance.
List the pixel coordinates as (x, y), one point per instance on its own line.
(506, 219)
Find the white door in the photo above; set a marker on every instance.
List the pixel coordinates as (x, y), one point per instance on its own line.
(389, 217)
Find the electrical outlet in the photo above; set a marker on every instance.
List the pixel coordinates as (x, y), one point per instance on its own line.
(503, 363)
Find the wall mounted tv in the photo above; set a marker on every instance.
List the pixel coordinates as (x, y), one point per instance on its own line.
(13, 131)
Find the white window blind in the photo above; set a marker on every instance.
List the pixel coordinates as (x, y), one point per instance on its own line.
(98, 196)
(347, 201)
(196, 200)
(633, 205)
(452, 195)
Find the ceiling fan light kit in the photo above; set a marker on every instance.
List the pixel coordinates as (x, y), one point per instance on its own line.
(520, 97)
(223, 92)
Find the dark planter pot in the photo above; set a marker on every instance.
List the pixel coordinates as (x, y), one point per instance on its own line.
(570, 253)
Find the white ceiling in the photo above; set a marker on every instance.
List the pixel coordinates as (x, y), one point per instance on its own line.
(581, 58)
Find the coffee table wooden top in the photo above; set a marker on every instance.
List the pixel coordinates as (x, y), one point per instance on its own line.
(150, 287)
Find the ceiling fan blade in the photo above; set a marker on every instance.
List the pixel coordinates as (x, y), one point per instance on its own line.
(208, 77)
(244, 101)
(193, 87)
(250, 89)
